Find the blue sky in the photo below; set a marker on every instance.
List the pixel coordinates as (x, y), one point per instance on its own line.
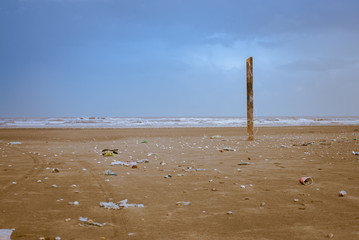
(160, 58)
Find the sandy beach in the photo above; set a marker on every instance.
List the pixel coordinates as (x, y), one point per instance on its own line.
(194, 183)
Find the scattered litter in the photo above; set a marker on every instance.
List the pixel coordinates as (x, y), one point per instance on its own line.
(213, 189)
(330, 235)
(73, 185)
(54, 186)
(86, 221)
(109, 152)
(15, 143)
(127, 164)
(227, 149)
(84, 169)
(243, 186)
(55, 170)
(67, 220)
(296, 200)
(229, 213)
(342, 193)
(108, 172)
(151, 154)
(355, 153)
(107, 180)
(284, 146)
(144, 141)
(245, 163)
(39, 181)
(5, 234)
(143, 161)
(304, 144)
(14, 182)
(183, 203)
(168, 176)
(162, 163)
(131, 234)
(238, 169)
(57, 238)
(119, 205)
(216, 137)
(76, 203)
(306, 180)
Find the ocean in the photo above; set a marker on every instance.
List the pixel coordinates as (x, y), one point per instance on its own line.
(171, 122)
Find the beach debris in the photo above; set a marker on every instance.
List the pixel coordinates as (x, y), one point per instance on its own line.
(5, 234)
(242, 186)
(296, 200)
(330, 235)
(15, 143)
(75, 203)
(145, 160)
(192, 169)
(183, 203)
(245, 163)
(216, 137)
(119, 205)
(109, 152)
(54, 186)
(131, 234)
(304, 144)
(306, 180)
(57, 238)
(67, 220)
(144, 141)
(14, 183)
(213, 189)
(127, 164)
(355, 153)
(108, 172)
(151, 154)
(168, 176)
(342, 193)
(115, 150)
(229, 213)
(55, 170)
(284, 146)
(162, 163)
(227, 149)
(39, 181)
(89, 222)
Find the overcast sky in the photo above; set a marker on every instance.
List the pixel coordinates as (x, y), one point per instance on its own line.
(161, 58)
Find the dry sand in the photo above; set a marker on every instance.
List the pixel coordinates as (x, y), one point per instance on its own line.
(262, 200)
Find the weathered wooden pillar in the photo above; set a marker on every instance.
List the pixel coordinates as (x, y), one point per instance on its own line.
(250, 98)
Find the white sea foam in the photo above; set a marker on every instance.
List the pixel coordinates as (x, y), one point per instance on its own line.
(173, 122)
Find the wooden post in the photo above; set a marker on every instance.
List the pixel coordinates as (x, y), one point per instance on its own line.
(250, 98)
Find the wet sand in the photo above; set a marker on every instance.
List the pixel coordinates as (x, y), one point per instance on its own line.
(261, 200)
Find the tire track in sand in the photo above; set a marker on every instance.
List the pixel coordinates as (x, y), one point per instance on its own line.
(107, 194)
(36, 168)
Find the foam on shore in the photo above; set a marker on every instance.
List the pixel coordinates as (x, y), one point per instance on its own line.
(177, 122)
